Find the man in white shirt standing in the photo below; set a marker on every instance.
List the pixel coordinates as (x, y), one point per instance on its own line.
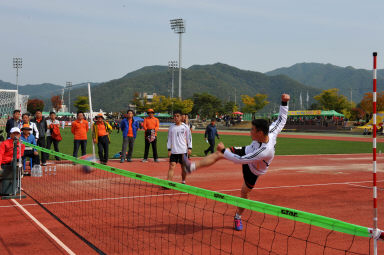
(255, 157)
(179, 144)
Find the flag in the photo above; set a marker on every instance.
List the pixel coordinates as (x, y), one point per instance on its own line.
(307, 97)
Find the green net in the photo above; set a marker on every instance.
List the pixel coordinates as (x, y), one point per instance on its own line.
(122, 212)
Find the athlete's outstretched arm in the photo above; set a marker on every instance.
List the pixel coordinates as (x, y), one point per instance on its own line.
(279, 124)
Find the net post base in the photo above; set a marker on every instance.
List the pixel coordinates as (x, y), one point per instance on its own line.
(12, 197)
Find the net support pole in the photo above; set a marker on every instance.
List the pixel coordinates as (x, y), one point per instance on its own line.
(91, 113)
(374, 151)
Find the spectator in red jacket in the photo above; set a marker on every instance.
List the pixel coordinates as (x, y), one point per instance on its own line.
(6, 148)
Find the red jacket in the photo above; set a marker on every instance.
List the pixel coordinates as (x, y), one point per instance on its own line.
(6, 151)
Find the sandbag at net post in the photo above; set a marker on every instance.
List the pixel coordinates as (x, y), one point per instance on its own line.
(121, 212)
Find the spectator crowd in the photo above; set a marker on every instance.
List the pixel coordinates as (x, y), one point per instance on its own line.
(45, 132)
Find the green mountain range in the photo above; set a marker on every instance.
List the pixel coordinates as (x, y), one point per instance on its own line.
(223, 81)
(34, 91)
(326, 76)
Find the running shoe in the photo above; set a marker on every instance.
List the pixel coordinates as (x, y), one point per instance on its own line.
(238, 225)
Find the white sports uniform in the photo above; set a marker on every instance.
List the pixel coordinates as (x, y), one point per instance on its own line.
(179, 139)
(259, 156)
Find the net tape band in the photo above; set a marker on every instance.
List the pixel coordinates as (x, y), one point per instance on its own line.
(279, 211)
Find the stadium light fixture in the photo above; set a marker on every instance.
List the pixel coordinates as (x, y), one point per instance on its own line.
(172, 65)
(178, 26)
(17, 64)
(69, 86)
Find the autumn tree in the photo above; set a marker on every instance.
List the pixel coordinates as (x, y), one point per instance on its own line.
(161, 104)
(366, 103)
(331, 100)
(34, 105)
(254, 104)
(57, 103)
(357, 113)
(81, 103)
(185, 106)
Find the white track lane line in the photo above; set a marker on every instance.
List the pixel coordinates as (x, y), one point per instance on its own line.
(49, 233)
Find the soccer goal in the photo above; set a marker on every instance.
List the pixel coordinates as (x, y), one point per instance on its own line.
(9, 101)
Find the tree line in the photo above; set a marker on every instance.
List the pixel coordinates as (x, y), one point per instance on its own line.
(207, 106)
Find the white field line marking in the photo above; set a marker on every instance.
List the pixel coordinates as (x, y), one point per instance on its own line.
(182, 193)
(362, 186)
(38, 223)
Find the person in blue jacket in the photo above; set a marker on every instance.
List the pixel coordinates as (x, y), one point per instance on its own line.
(210, 133)
(26, 136)
(129, 129)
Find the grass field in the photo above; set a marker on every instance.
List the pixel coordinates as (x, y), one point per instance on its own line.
(285, 146)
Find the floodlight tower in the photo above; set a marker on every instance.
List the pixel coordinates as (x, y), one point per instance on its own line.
(18, 64)
(69, 86)
(178, 26)
(172, 65)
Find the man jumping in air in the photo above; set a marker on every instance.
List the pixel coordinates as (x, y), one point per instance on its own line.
(255, 157)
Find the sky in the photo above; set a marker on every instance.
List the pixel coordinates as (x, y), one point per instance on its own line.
(102, 40)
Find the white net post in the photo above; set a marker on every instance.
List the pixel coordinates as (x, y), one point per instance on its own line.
(91, 114)
(23, 102)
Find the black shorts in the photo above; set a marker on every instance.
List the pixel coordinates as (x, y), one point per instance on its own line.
(249, 177)
(177, 158)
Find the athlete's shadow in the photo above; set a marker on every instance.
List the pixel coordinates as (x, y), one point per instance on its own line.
(174, 228)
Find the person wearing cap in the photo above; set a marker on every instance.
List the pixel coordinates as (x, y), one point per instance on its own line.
(100, 134)
(25, 120)
(6, 148)
(26, 136)
(41, 125)
(151, 125)
(79, 130)
(13, 122)
(129, 127)
(51, 122)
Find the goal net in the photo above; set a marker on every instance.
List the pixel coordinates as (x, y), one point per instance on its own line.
(9, 101)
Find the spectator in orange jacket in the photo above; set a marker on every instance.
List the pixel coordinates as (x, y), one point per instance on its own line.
(79, 129)
(151, 125)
